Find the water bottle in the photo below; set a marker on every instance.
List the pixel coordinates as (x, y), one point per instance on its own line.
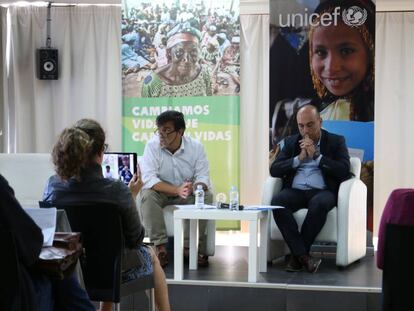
(199, 197)
(234, 199)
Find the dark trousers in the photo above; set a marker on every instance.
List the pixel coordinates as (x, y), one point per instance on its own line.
(318, 203)
(60, 295)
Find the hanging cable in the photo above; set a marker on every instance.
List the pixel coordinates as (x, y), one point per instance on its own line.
(48, 57)
(48, 21)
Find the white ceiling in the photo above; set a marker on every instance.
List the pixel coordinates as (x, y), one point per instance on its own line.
(68, 1)
(260, 6)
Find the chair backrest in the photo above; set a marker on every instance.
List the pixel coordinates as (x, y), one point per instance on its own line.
(27, 174)
(103, 241)
(398, 271)
(355, 167)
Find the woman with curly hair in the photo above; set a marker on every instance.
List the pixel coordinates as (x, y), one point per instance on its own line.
(77, 156)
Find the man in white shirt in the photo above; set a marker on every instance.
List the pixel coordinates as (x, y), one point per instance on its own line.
(172, 166)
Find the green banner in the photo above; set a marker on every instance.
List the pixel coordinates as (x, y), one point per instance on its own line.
(212, 121)
(185, 56)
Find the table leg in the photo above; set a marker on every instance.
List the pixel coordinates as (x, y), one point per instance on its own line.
(264, 231)
(178, 249)
(253, 262)
(193, 237)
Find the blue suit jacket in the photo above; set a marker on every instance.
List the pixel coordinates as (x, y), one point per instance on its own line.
(334, 163)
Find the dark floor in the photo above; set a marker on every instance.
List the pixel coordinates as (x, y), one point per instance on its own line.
(223, 286)
(230, 265)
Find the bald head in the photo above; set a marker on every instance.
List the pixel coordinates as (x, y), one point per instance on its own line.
(309, 109)
(309, 122)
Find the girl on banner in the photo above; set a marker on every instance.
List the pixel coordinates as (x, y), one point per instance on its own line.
(342, 61)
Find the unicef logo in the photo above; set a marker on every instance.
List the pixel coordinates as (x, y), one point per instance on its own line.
(354, 16)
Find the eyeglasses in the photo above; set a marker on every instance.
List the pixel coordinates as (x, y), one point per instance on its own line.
(163, 132)
(105, 148)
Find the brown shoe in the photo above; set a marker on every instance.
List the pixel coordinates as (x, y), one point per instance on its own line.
(202, 260)
(162, 255)
(294, 264)
(311, 264)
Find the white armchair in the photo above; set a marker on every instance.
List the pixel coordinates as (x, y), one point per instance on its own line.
(27, 174)
(345, 224)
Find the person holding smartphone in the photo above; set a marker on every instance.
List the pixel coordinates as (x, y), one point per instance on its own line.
(78, 156)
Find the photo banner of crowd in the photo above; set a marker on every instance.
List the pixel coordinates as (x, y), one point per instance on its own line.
(184, 55)
(322, 53)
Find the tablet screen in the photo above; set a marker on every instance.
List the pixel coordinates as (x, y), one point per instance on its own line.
(119, 165)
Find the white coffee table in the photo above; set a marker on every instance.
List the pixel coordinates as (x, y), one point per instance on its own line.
(256, 218)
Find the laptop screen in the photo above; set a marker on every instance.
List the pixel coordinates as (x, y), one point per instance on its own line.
(119, 165)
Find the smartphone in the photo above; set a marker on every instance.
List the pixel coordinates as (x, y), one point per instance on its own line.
(119, 166)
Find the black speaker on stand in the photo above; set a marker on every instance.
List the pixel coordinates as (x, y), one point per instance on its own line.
(47, 64)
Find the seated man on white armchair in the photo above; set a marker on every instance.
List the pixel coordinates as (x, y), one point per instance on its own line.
(172, 167)
(312, 164)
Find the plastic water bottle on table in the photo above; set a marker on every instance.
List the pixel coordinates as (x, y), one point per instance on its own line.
(234, 199)
(199, 197)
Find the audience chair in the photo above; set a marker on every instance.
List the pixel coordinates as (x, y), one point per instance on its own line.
(103, 241)
(345, 224)
(398, 273)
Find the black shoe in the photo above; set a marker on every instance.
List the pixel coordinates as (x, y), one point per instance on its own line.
(311, 264)
(293, 264)
(202, 260)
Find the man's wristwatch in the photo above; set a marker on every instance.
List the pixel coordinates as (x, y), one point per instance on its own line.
(316, 154)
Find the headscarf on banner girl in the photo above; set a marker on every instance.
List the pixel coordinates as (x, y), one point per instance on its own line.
(183, 75)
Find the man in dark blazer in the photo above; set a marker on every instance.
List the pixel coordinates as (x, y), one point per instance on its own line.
(312, 164)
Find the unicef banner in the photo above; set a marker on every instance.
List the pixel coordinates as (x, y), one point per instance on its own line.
(322, 52)
(184, 55)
